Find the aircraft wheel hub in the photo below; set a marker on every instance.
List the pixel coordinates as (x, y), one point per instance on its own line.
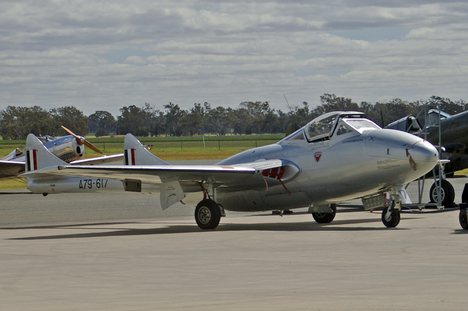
(204, 215)
(435, 194)
(207, 214)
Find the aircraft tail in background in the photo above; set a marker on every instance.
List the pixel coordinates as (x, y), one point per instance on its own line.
(136, 154)
(38, 156)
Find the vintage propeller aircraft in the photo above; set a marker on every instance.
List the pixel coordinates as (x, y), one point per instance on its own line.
(69, 148)
(336, 157)
(452, 138)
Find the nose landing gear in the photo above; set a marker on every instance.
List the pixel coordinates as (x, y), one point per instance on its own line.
(390, 216)
(391, 212)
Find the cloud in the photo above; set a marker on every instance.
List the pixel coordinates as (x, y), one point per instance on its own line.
(102, 55)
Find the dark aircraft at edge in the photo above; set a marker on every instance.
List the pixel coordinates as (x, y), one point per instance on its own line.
(453, 142)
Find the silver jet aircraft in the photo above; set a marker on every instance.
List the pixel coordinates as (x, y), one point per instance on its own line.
(336, 157)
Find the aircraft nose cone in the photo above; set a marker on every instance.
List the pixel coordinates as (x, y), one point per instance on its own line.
(423, 156)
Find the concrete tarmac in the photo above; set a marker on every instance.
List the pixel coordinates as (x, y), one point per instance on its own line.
(68, 253)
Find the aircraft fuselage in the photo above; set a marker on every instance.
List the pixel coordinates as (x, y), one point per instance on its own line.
(65, 148)
(335, 170)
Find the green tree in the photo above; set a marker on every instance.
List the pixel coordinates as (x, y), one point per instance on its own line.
(101, 123)
(174, 117)
(136, 120)
(240, 119)
(384, 113)
(331, 102)
(195, 119)
(218, 120)
(70, 117)
(18, 122)
(259, 115)
(445, 105)
(297, 117)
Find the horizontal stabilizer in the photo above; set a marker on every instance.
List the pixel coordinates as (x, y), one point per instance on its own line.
(11, 168)
(13, 155)
(107, 159)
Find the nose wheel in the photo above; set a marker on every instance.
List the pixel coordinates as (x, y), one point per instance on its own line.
(207, 214)
(391, 216)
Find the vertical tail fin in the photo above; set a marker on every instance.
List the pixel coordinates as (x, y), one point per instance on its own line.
(38, 156)
(136, 154)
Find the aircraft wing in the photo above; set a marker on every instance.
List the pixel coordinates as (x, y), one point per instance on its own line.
(100, 160)
(11, 168)
(239, 176)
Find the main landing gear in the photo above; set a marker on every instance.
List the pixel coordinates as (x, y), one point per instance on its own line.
(325, 217)
(462, 218)
(447, 193)
(441, 191)
(208, 214)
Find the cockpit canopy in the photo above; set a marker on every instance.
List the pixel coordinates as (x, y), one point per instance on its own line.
(434, 116)
(46, 138)
(339, 122)
(333, 123)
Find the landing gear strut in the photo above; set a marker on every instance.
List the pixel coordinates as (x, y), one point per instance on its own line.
(207, 214)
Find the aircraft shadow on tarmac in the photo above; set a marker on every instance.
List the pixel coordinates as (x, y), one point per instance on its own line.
(189, 228)
(460, 231)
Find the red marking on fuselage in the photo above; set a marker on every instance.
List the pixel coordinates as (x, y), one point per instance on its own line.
(34, 159)
(133, 156)
(317, 155)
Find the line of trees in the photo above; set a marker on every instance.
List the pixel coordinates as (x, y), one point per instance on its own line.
(250, 117)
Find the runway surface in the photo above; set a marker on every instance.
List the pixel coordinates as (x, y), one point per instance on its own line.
(120, 252)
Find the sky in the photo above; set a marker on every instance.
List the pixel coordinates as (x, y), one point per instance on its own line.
(103, 55)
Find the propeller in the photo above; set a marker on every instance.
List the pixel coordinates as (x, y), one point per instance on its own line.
(82, 141)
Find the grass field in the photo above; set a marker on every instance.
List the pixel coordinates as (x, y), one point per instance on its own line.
(12, 183)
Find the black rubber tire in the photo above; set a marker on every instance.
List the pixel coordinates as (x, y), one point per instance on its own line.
(393, 220)
(463, 219)
(325, 218)
(207, 215)
(447, 193)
